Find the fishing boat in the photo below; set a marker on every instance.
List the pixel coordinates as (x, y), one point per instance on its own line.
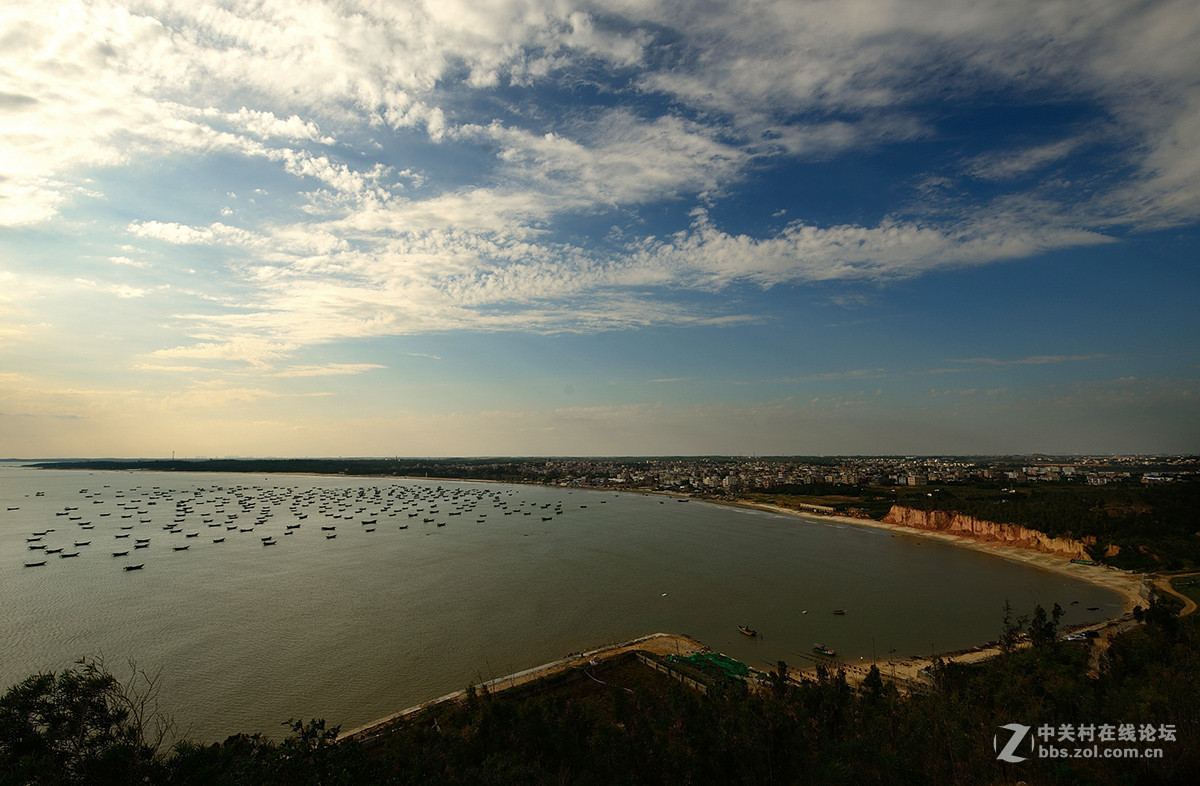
(839, 612)
(120, 553)
(747, 631)
(181, 548)
(821, 649)
(218, 540)
(135, 567)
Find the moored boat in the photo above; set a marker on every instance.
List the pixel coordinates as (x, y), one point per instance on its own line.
(748, 631)
(821, 649)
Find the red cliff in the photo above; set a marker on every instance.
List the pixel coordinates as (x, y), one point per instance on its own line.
(988, 531)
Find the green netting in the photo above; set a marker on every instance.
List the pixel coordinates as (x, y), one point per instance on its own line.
(713, 663)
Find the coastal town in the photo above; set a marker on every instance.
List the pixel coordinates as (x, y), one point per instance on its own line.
(721, 476)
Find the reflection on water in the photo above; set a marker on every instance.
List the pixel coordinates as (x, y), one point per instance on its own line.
(350, 599)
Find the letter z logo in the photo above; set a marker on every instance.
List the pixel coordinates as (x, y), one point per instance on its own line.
(1009, 752)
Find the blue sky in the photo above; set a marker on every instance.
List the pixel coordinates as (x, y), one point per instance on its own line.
(530, 228)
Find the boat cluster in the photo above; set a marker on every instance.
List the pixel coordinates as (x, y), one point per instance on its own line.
(132, 516)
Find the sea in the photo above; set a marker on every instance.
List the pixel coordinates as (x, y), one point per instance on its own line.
(265, 598)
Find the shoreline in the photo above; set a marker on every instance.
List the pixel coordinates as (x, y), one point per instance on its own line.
(1128, 585)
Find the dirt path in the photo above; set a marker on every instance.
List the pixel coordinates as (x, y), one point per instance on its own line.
(1164, 584)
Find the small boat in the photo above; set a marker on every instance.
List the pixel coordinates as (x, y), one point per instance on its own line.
(135, 567)
(369, 521)
(33, 540)
(331, 537)
(69, 554)
(746, 631)
(141, 545)
(269, 543)
(181, 548)
(839, 612)
(121, 535)
(821, 649)
(218, 540)
(54, 551)
(120, 553)
(83, 543)
(192, 535)
(328, 528)
(441, 523)
(36, 546)
(35, 564)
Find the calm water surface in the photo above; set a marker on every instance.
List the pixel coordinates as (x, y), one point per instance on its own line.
(378, 618)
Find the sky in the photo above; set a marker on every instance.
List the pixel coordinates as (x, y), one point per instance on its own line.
(556, 227)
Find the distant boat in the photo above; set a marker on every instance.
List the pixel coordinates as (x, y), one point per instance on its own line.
(328, 528)
(839, 612)
(69, 554)
(135, 567)
(181, 548)
(218, 540)
(120, 553)
(54, 551)
(141, 545)
(331, 537)
(821, 649)
(751, 632)
(121, 535)
(83, 543)
(35, 564)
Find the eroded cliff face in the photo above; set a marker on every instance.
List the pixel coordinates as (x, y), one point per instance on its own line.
(1007, 534)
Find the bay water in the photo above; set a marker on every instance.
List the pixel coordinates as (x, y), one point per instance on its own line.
(352, 598)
